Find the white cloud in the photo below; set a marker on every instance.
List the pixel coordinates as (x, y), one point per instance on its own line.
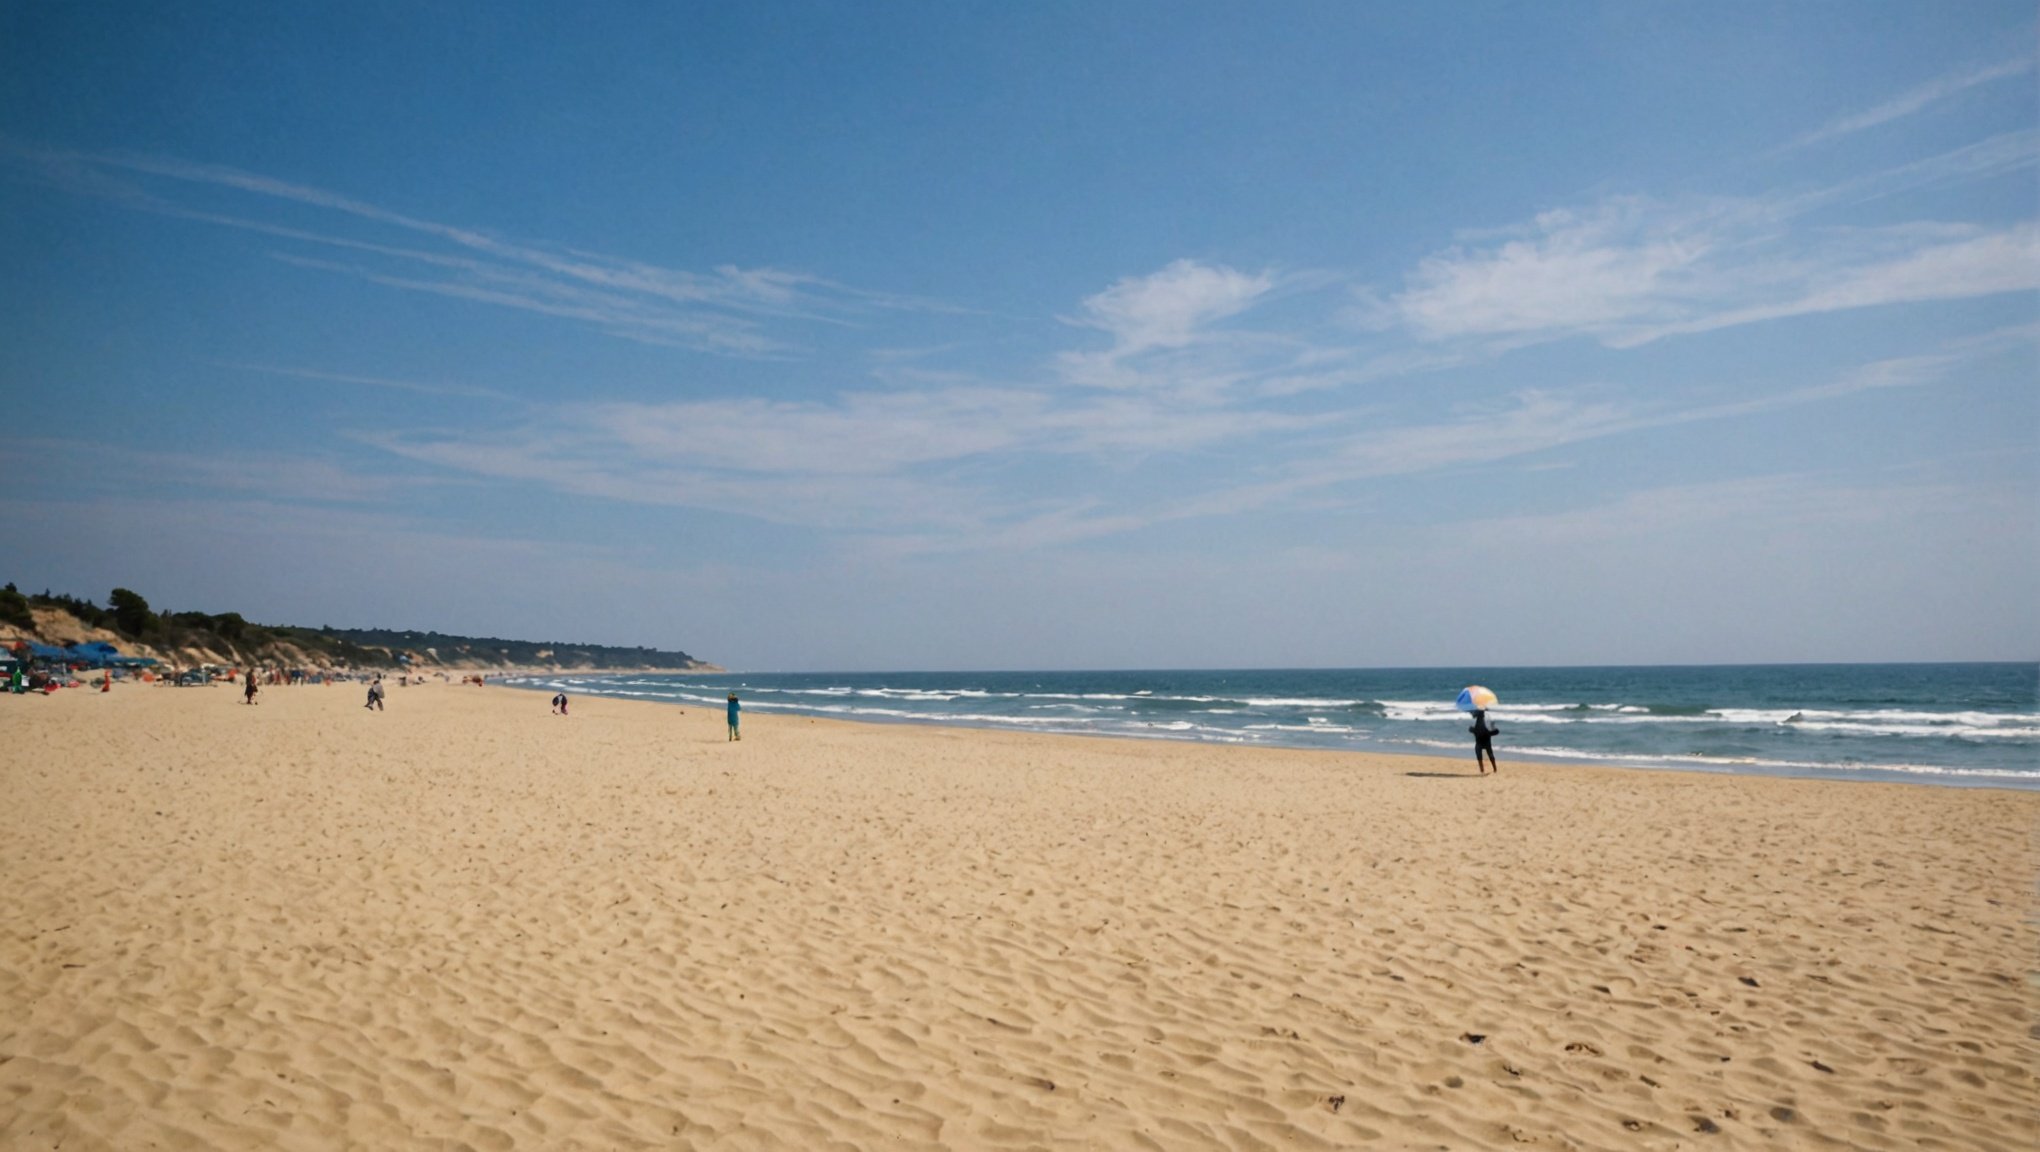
(421, 388)
(1536, 421)
(1991, 156)
(894, 461)
(1530, 421)
(310, 478)
(863, 433)
(1984, 263)
(1917, 99)
(926, 464)
(724, 310)
(1169, 308)
(1198, 362)
(1591, 271)
(1170, 341)
(1629, 270)
(610, 312)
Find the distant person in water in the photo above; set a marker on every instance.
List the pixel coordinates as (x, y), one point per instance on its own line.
(733, 717)
(1484, 742)
(560, 704)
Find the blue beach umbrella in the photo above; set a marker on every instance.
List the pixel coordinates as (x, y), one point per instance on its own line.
(1474, 698)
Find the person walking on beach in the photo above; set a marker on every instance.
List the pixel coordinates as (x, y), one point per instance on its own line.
(248, 693)
(560, 704)
(1484, 742)
(375, 693)
(733, 717)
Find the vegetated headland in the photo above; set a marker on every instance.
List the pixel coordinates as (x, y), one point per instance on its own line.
(192, 639)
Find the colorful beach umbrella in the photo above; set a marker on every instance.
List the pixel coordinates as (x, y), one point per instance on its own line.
(1474, 698)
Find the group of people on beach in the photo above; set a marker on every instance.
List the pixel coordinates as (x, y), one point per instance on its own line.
(1484, 732)
(559, 702)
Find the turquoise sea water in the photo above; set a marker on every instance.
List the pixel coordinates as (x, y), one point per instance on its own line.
(1946, 723)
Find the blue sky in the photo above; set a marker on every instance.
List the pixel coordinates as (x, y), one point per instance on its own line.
(1036, 336)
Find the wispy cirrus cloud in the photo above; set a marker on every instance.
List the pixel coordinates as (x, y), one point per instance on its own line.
(910, 471)
(863, 461)
(1248, 372)
(1629, 270)
(1915, 100)
(728, 310)
(313, 479)
(1529, 422)
(1974, 262)
(423, 388)
(1186, 340)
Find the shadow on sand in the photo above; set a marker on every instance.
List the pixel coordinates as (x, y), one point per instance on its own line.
(1446, 775)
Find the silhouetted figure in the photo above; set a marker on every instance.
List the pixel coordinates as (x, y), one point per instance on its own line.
(1484, 742)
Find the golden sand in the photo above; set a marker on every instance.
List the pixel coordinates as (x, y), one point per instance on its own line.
(467, 923)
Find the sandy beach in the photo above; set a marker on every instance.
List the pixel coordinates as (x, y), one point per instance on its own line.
(467, 923)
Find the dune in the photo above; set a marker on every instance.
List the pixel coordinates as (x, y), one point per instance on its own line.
(467, 923)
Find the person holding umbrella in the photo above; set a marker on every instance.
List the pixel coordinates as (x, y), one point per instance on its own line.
(1478, 700)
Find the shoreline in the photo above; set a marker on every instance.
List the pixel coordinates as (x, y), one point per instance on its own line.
(1926, 775)
(464, 920)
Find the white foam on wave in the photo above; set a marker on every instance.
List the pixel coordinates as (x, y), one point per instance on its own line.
(1316, 726)
(1729, 763)
(1449, 715)
(1144, 697)
(1879, 722)
(1905, 716)
(857, 710)
(1958, 733)
(942, 694)
(1275, 720)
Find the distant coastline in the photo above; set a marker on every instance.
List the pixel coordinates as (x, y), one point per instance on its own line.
(182, 640)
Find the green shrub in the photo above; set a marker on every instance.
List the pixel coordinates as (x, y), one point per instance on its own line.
(131, 615)
(14, 608)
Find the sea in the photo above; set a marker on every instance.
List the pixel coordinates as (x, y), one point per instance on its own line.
(1955, 724)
